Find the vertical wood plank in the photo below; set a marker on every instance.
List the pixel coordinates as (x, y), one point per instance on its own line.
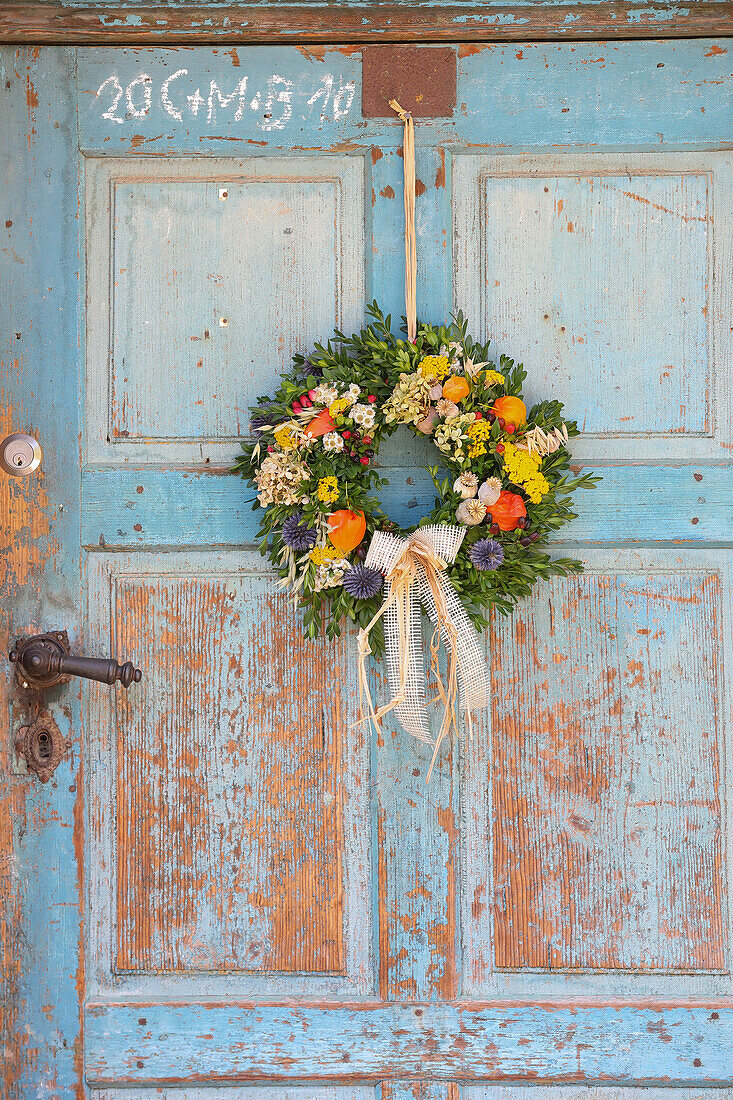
(40, 826)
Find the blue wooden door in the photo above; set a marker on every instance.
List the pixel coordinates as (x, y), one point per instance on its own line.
(225, 891)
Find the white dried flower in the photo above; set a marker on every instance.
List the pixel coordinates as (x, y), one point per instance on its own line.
(471, 512)
(466, 484)
(352, 393)
(489, 491)
(447, 409)
(330, 573)
(325, 394)
(453, 351)
(279, 478)
(363, 415)
(332, 441)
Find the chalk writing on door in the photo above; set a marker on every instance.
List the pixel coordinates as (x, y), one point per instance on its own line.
(270, 102)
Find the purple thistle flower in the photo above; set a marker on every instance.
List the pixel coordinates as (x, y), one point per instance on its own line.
(486, 554)
(301, 372)
(296, 535)
(264, 415)
(361, 582)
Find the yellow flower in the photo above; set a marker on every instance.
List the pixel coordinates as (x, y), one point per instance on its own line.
(338, 406)
(523, 469)
(328, 490)
(493, 378)
(479, 431)
(434, 367)
(319, 555)
(285, 437)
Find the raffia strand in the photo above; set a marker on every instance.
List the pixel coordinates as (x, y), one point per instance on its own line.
(408, 160)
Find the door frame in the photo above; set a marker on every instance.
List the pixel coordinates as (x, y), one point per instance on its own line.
(254, 23)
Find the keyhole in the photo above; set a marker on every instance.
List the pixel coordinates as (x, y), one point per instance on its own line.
(18, 460)
(45, 745)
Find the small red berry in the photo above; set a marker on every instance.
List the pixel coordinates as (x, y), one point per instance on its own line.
(502, 423)
(491, 417)
(296, 407)
(346, 435)
(534, 536)
(306, 402)
(526, 541)
(511, 429)
(478, 416)
(494, 528)
(500, 448)
(364, 460)
(371, 399)
(367, 439)
(522, 521)
(312, 394)
(270, 449)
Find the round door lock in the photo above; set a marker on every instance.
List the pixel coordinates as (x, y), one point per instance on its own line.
(20, 454)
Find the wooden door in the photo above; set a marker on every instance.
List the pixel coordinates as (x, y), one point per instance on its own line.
(226, 890)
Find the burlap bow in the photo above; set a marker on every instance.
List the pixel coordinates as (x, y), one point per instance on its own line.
(414, 569)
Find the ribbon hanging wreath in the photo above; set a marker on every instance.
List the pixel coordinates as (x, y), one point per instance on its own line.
(508, 487)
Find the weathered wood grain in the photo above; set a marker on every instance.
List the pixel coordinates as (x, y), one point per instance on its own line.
(606, 776)
(229, 782)
(41, 840)
(255, 23)
(589, 1092)
(583, 1043)
(420, 1090)
(594, 862)
(246, 1092)
(228, 791)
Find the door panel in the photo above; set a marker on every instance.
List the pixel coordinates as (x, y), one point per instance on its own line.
(606, 830)
(598, 270)
(274, 901)
(219, 271)
(228, 809)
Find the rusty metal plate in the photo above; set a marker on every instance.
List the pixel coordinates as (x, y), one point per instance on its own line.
(421, 78)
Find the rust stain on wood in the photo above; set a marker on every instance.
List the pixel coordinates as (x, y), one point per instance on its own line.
(15, 1041)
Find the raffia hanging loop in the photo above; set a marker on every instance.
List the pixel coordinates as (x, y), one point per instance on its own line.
(408, 159)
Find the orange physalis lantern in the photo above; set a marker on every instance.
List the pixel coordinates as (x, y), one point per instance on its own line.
(455, 388)
(507, 511)
(321, 424)
(511, 409)
(346, 529)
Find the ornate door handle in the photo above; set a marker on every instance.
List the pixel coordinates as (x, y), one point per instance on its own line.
(44, 660)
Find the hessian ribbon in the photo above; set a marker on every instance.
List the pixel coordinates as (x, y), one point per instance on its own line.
(414, 570)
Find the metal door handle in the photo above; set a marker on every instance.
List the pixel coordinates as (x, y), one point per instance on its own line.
(44, 660)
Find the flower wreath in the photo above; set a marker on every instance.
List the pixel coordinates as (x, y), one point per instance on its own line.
(503, 473)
